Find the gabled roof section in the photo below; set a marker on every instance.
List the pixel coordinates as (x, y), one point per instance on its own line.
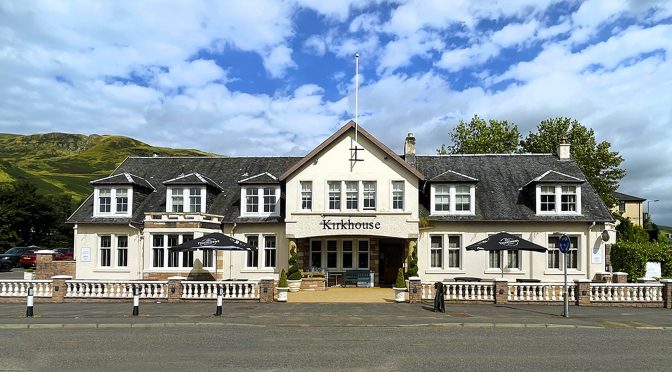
(192, 179)
(344, 129)
(552, 176)
(625, 197)
(124, 179)
(452, 176)
(260, 179)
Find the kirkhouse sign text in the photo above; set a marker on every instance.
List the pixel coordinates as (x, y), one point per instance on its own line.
(343, 224)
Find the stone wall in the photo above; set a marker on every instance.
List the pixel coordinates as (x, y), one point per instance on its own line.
(46, 267)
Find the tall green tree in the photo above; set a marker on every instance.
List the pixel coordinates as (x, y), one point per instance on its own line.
(483, 137)
(600, 165)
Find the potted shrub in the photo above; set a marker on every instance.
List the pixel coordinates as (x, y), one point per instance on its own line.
(400, 287)
(294, 274)
(282, 287)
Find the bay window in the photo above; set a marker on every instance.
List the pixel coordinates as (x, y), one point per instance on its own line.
(163, 257)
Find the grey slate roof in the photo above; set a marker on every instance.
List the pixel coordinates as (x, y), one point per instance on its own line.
(223, 171)
(123, 178)
(626, 197)
(552, 176)
(192, 179)
(452, 176)
(500, 192)
(260, 179)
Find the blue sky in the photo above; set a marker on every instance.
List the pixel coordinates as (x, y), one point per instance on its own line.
(277, 77)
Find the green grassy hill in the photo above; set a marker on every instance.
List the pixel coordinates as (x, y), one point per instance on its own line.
(65, 163)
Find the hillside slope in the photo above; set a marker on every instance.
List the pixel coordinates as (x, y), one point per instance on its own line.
(65, 163)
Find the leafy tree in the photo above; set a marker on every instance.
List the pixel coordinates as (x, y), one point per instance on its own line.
(483, 137)
(628, 231)
(631, 257)
(293, 271)
(596, 160)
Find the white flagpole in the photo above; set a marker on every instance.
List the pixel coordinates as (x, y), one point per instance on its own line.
(356, 95)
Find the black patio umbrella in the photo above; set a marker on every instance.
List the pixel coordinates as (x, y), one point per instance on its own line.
(505, 242)
(218, 242)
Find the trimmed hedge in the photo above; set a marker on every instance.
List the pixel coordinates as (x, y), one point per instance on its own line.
(293, 272)
(401, 282)
(283, 280)
(631, 257)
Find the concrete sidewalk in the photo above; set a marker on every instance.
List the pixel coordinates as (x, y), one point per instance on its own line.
(332, 315)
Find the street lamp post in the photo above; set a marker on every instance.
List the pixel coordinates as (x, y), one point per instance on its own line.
(648, 207)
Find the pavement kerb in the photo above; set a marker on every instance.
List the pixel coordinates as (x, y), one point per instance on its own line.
(214, 324)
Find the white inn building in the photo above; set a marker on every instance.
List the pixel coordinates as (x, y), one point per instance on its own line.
(350, 204)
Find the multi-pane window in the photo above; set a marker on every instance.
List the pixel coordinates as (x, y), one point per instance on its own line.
(177, 200)
(316, 253)
(157, 251)
(436, 251)
(369, 194)
(105, 251)
(347, 254)
(351, 194)
(161, 250)
(462, 198)
(494, 259)
(269, 251)
(334, 194)
(306, 195)
(194, 199)
(208, 257)
(363, 254)
(252, 200)
(547, 201)
(173, 256)
(252, 255)
(332, 254)
(513, 259)
(621, 206)
(187, 256)
(122, 251)
(555, 257)
(568, 199)
(122, 200)
(398, 195)
(454, 251)
(269, 200)
(442, 198)
(105, 200)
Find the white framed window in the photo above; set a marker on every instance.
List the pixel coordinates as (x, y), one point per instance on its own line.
(316, 253)
(209, 258)
(513, 259)
(112, 201)
(105, 251)
(185, 199)
(452, 199)
(346, 255)
(265, 256)
(398, 195)
(306, 195)
(260, 201)
(454, 251)
(339, 254)
(164, 258)
(351, 195)
(334, 196)
(495, 260)
(369, 195)
(436, 251)
(269, 251)
(332, 254)
(558, 199)
(253, 256)
(363, 254)
(122, 251)
(555, 258)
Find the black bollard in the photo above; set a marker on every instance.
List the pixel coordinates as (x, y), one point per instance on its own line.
(439, 304)
(136, 301)
(218, 311)
(29, 300)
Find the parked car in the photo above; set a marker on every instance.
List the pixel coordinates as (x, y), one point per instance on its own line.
(10, 259)
(64, 254)
(28, 259)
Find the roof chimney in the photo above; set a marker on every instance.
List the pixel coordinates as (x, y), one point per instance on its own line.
(409, 149)
(563, 149)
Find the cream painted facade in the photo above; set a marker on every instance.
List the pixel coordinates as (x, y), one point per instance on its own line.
(87, 252)
(634, 210)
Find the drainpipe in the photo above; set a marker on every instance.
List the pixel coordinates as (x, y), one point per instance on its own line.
(142, 250)
(590, 250)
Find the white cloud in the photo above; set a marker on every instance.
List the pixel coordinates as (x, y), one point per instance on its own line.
(190, 74)
(398, 53)
(278, 60)
(515, 33)
(315, 45)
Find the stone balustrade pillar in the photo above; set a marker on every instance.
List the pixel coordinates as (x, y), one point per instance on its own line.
(414, 289)
(582, 292)
(44, 259)
(175, 288)
(59, 288)
(501, 291)
(619, 277)
(267, 290)
(667, 293)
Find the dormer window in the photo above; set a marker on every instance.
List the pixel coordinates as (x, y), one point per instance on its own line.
(260, 201)
(112, 201)
(186, 199)
(452, 199)
(558, 199)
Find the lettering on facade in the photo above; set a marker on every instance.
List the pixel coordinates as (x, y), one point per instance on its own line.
(342, 224)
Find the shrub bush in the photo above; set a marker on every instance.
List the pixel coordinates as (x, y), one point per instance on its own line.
(293, 272)
(631, 257)
(401, 283)
(413, 264)
(283, 280)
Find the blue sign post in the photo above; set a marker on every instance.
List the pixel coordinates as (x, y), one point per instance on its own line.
(565, 243)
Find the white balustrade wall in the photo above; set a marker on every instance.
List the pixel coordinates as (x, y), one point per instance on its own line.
(541, 292)
(241, 290)
(19, 288)
(634, 292)
(467, 291)
(115, 289)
